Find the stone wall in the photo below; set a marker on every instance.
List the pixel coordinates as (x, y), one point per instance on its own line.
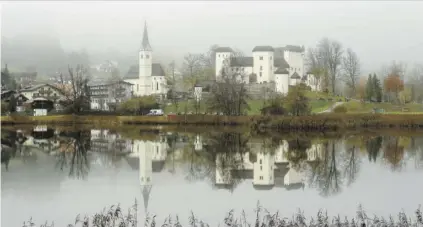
(260, 91)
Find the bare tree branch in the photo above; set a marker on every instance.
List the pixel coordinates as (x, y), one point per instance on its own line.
(351, 70)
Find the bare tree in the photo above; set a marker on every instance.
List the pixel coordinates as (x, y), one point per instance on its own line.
(316, 67)
(230, 94)
(330, 52)
(78, 98)
(351, 69)
(208, 59)
(192, 64)
(171, 85)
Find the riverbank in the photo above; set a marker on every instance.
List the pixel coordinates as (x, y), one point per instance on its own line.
(330, 121)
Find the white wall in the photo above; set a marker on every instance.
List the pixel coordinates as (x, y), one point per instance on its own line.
(244, 71)
(263, 67)
(264, 169)
(293, 177)
(295, 61)
(158, 85)
(222, 60)
(282, 83)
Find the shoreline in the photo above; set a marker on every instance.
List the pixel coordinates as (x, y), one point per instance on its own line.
(326, 122)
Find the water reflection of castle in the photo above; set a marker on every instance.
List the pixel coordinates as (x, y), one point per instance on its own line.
(266, 167)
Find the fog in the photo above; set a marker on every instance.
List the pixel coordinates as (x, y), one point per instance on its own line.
(379, 32)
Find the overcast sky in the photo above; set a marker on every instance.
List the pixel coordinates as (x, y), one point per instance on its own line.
(378, 31)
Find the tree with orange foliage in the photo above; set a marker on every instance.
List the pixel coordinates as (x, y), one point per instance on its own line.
(393, 84)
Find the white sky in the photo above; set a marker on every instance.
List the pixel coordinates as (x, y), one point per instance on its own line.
(378, 31)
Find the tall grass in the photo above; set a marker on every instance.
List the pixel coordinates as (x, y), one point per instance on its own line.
(114, 217)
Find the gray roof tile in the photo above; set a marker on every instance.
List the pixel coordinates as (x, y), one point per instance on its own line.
(133, 73)
(242, 62)
(295, 76)
(223, 49)
(281, 71)
(263, 48)
(281, 63)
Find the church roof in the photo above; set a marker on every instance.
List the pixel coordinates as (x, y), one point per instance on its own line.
(133, 72)
(281, 71)
(295, 76)
(242, 61)
(223, 49)
(263, 48)
(145, 45)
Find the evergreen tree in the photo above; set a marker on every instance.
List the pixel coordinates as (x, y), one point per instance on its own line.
(7, 82)
(373, 147)
(369, 88)
(12, 104)
(377, 88)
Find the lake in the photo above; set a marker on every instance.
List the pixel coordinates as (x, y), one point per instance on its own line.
(54, 174)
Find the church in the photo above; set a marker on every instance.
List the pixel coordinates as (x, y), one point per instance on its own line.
(148, 78)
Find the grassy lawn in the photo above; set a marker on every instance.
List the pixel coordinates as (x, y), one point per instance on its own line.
(358, 107)
(255, 106)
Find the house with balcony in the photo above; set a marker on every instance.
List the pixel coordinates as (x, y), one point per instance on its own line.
(46, 91)
(106, 96)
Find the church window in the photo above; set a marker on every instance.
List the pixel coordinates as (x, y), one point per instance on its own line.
(157, 86)
(147, 56)
(261, 74)
(261, 67)
(261, 57)
(261, 177)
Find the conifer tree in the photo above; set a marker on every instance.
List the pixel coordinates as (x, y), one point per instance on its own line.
(377, 88)
(369, 88)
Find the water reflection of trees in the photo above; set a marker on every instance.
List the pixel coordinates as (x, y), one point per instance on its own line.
(73, 154)
(325, 174)
(394, 152)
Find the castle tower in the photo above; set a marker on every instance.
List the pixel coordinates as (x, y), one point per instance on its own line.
(146, 174)
(263, 57)
(145, 64)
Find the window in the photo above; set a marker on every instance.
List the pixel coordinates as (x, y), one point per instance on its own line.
(157, 86)
(261, 67)
(261, 177)
(261, 162)
(138, 87)
(261, 74)
(261, 57)
(141, 56)
(147, 56)
(261, 167)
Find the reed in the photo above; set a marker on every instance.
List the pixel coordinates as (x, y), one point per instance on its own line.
(114, 217)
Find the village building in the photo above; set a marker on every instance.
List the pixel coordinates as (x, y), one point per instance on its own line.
(107, 95)
(274, 68)
(147, 77)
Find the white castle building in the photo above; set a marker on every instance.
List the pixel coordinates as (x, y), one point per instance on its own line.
(147, 77)
(284, 66)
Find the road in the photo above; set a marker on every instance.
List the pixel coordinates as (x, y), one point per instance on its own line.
(330, 109)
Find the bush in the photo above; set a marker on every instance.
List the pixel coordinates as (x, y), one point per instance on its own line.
(340, 109)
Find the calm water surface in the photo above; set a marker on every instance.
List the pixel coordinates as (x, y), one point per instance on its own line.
(49, 174)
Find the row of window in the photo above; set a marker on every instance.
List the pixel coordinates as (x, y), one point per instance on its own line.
(146, 56)
(152, 85)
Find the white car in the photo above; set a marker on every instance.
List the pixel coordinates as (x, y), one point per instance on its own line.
(156, 112)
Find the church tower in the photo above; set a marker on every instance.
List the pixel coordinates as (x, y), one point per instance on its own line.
(145, 64)
(146, 174)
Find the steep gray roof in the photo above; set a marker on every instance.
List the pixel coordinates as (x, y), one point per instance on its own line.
(295, 76)
(145, 45)
(242, 62)
(102, 82)
(133, 72)
(263, 48)
(263, 187)
(223, 49)
(293, 48)
(281, 63)
(281, 71)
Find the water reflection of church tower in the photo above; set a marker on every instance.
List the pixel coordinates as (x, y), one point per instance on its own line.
(146, 174)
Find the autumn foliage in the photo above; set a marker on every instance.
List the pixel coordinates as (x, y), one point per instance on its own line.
(393, 83)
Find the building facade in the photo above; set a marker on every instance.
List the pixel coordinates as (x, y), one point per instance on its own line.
(147, 77)
(283, 66)
(105, 96)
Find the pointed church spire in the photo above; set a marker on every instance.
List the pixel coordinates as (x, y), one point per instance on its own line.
(145, 45)
(146, 189)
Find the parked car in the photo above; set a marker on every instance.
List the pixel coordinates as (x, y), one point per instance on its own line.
(156, 112)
